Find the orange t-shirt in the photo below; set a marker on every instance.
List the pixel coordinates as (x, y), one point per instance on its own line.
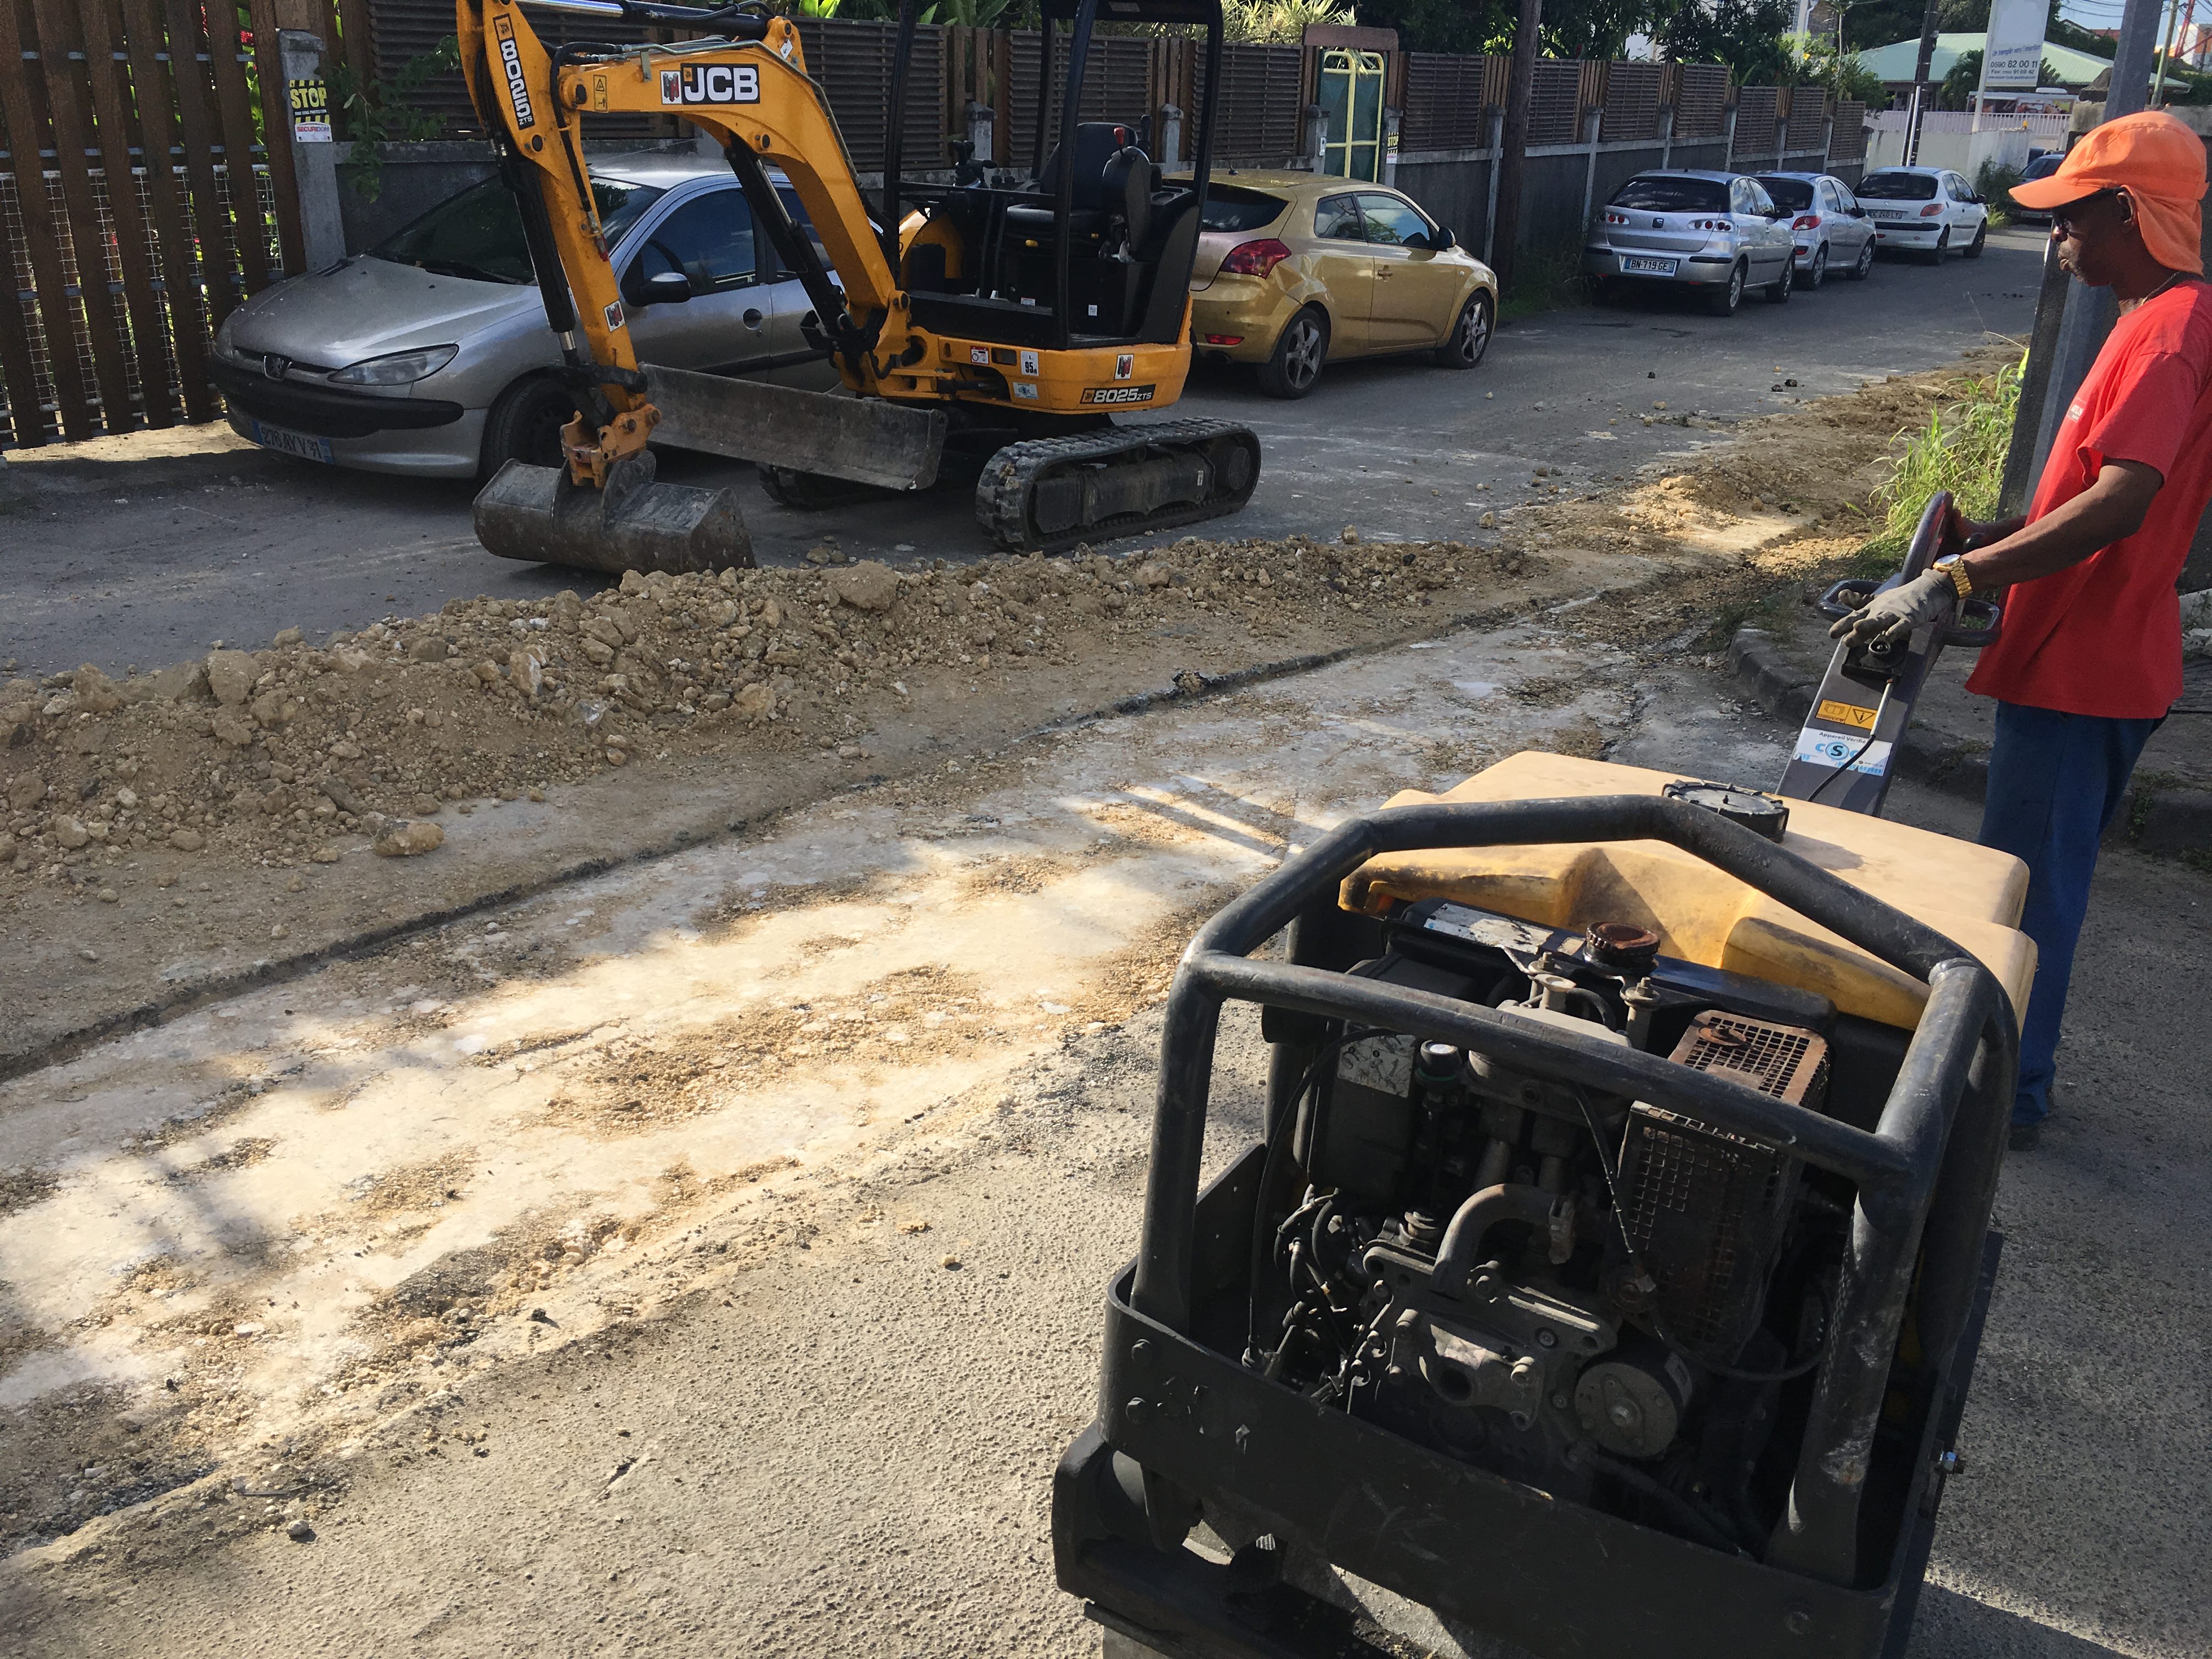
(2103, 636)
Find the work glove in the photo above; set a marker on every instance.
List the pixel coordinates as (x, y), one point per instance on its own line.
(1892, 615)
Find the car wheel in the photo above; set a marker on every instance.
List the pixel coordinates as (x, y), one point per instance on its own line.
(1819, 272)
(1777, 291)
(1935, 255)
(1470, 336)
(1864, 268)
(524, 423)
(1981, 238)
(1722, 302)
(1295, 364)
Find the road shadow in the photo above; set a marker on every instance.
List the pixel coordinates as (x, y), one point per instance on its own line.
(1950, 1626)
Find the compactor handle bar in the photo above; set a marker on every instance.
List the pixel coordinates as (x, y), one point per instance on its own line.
(1978, 622)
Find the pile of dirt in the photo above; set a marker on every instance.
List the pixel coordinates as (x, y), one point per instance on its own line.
(293, 753)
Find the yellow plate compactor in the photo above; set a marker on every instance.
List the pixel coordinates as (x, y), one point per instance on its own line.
(1610, 1271)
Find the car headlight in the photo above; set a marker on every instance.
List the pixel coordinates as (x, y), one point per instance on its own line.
(226, 341)
(400, 368)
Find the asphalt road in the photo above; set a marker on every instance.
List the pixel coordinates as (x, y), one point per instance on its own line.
(123, 562)
(846, 1447)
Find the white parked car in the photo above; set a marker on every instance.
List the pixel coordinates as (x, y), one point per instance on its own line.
(1925, 210)
(1830, 229)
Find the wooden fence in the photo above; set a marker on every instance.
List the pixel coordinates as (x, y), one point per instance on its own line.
(142, 196)
(146, 165)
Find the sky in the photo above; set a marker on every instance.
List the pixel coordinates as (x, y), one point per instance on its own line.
(2105, 14)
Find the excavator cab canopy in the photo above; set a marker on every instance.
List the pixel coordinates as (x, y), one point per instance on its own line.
(1091, 246)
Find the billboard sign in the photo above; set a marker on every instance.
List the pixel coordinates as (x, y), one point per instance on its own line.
(2013, 60)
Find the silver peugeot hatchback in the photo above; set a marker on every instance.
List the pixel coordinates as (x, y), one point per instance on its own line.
(1716, 233)
(429, 354)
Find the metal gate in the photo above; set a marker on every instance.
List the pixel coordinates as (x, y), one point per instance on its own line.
(146, 187)
(1351, 84)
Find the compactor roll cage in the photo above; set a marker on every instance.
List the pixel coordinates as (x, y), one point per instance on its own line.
(1184, 1424)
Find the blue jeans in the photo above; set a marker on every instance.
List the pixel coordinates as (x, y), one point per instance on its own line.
(2055, 782)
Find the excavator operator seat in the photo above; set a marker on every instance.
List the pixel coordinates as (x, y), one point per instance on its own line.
(1131, 239)
(1111, 190)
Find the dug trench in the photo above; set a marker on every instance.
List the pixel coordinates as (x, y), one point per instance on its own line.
(252, 1241)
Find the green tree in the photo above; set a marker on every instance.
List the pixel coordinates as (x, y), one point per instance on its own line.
(1748, 35)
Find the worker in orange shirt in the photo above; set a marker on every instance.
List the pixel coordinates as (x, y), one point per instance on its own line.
(2089, 661)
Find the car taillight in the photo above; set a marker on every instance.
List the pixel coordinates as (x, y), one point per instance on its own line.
(1933, 210)
(1224, 339)
(1806, 222)
(1255, 258)
(1712, 224)
(1613, 218)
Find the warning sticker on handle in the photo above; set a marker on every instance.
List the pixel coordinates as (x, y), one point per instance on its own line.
(1834, 749)
(1846, 713)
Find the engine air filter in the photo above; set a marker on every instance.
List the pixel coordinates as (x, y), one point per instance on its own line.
(1706, 1207)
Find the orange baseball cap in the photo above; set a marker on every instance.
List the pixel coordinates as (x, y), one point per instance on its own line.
(2158, 161)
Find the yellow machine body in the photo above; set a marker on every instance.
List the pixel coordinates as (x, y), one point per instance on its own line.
(1973, 895)
(757, 94)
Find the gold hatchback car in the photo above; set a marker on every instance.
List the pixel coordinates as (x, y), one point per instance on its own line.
(1293, 270)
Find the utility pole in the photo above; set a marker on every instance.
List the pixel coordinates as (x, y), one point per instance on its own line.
(1920, 83)
(2165, 55)
(1506, 234)
(2083, 316)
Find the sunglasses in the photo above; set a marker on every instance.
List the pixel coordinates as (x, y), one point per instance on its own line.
(2064, 219)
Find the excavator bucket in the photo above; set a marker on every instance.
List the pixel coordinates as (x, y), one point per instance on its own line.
(535, 512)
(867, 440)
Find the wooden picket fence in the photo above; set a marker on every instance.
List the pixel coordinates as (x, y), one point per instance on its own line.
(146, 187)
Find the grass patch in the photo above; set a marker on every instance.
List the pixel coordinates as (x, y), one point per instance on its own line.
(1546, 279)
(1961, 449)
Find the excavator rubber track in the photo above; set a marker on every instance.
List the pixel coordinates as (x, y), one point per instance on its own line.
(1047, 495)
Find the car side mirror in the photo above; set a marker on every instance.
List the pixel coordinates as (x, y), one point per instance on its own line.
(1778, 213)
(1442, 240)
(661, 289)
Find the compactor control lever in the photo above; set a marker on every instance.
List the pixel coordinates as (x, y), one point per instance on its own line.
(1846, 752)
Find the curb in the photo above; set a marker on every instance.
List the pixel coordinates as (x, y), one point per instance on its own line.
(1184, 687)
(2171, 821)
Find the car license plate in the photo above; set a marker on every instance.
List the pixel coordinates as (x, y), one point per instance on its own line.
(1647, 267)
(292, 443)
(1887, 213)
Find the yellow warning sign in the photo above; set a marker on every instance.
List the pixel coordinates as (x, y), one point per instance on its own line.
(1847, 713)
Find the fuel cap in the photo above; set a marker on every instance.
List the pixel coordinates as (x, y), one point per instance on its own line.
(1761, 814)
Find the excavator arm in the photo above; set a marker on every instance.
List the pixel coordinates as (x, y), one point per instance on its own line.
(749, 89)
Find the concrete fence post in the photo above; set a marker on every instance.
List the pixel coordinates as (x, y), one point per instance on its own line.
(1593, 123)
(1391, 119)
(1827, 140)
(1170, 137)
(1728, 137)
(1489, 207)
(1315, 153)
(1666, 135)
(314, 161)
(982, 130)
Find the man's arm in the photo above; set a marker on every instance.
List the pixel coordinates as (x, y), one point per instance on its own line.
(2108, 509)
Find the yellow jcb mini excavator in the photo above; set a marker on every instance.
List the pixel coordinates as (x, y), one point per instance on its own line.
(1000, 327)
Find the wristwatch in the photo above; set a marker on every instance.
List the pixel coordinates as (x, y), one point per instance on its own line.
(1954, 565)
